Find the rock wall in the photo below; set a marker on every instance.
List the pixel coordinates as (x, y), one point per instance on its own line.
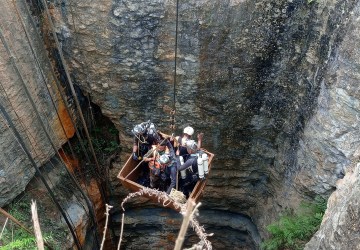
(24, 72)
(258, 77)
(272, 84)
(341, 220)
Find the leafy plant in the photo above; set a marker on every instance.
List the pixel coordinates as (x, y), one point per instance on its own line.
(111, 146)
(20, 243)
(293, 230)
(14, 237)
(20, 240)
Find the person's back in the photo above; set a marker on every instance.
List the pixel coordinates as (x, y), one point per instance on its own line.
(189, 168)
(163, 166)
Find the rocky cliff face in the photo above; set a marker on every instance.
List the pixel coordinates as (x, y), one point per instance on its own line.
(272, 84)
(27, 92)
(262, 79)
(339, 227)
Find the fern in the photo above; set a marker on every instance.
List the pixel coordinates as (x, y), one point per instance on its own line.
(293, 230)
(24, 243)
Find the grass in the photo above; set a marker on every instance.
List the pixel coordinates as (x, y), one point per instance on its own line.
(294, 229)
(103, 139)
(15, 237)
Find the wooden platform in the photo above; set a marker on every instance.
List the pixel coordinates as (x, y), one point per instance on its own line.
(131, 184)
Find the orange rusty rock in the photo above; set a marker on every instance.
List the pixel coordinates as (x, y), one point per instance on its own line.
(70, 162)
(66, 120)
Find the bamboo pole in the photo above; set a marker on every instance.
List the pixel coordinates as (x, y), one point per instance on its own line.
(184, 226)
(38, 235)
(20, 225)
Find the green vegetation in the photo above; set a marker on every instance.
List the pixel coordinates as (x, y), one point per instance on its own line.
(104, 140)
(14, 237)
(19, 239)
(294, 230)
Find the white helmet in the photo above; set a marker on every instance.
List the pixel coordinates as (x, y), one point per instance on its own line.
(164, 159)
(189, 131)
(152, 129)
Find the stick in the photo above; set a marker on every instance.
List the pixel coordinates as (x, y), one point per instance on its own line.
(146, 155)
(177, 180)
(38, 235)
(184, 225)
(121, 231)
(21, 225)
(2, 230)
(108, 207)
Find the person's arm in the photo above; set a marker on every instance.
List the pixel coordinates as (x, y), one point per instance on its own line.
(187, 164)
(171, 149)
(135, 155)
(147, 159)
(200, 137)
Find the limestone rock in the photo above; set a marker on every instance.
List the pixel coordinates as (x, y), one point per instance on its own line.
(339, 228)
(23, 74)
(273, 84)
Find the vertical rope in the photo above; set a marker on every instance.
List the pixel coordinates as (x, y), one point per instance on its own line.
(11, 57)
(42, 74)
(90, 207)
(24, 148)
(175, 66)
(71, 85)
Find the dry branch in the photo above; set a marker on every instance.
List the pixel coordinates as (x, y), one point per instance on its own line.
(108, 207)
(37, 230)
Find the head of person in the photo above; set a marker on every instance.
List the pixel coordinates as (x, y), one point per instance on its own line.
(139, 129)
(189, 131)
(191, 146)
(164, 160)
(161, 147)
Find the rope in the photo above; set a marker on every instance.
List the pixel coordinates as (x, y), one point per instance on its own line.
(26, 131)
(101, 187)
(175, 66)
(92, 120)
(2, 38)
(92, 170)
(71, 87)
(90, 207)
(61, 92)
(23, 146)
(42, 74)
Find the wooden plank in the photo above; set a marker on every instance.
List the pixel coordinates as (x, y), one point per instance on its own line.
(130, 182)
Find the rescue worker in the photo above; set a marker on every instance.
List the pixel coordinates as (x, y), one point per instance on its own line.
(187, 133)
(145, 135)
(190, 166)
(163, 166)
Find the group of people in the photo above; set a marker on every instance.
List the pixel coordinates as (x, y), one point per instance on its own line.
(163, 157)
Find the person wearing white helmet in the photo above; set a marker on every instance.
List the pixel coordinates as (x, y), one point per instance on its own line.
(192, 149)
(190, 166)
(163, 166)
(187, 134)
